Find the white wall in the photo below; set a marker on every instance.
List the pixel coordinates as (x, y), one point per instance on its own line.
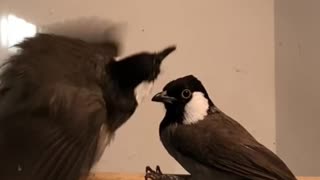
(297, 39)
(228, 44)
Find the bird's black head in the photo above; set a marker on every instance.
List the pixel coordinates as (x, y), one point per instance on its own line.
(138, 72)
(185, 99)
(128, 81)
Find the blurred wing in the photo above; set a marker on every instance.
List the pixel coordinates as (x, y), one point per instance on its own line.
(52, 115)
(74, 143)
(56, 142)
(226, 145)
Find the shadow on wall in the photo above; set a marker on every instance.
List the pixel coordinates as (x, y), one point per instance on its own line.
(297, 40)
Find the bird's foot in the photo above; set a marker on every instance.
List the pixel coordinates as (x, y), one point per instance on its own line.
(158, 175)
(153, 174)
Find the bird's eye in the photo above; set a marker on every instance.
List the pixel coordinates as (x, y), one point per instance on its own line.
(186, 94)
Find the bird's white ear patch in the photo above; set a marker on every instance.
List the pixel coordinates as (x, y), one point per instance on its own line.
(143, 90)
(196, 109)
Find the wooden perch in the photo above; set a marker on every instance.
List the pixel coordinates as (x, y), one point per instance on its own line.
(137, 176)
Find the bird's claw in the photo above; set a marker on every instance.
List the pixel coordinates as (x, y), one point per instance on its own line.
(153, 174)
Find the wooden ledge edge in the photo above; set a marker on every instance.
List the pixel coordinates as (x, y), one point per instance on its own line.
(116, 176)
(140, 176)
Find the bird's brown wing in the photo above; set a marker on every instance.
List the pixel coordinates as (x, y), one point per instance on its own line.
(54, 141)
(220, 142)
(52, 114)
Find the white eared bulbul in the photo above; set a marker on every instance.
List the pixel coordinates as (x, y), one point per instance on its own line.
(61, 101)
(209, 144)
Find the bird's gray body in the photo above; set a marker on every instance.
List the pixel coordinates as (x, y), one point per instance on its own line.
(197, 170)
(218, 147)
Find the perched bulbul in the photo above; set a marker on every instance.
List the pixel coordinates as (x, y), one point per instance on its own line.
(209, 144)
(61, 101)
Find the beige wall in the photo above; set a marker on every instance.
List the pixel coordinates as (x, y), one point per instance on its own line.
(228, 44)
(297, 32)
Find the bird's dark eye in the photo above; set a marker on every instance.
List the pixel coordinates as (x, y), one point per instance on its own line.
(186, 94)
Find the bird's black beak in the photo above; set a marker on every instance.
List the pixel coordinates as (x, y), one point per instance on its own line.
(163, 97)
(164, 53)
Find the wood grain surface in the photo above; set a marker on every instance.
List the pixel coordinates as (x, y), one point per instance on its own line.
(137, 176)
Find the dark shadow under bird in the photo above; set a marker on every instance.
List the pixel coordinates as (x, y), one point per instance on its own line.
(61, 101)
(208, 143)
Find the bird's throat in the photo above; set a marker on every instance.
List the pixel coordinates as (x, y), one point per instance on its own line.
(143, 90)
